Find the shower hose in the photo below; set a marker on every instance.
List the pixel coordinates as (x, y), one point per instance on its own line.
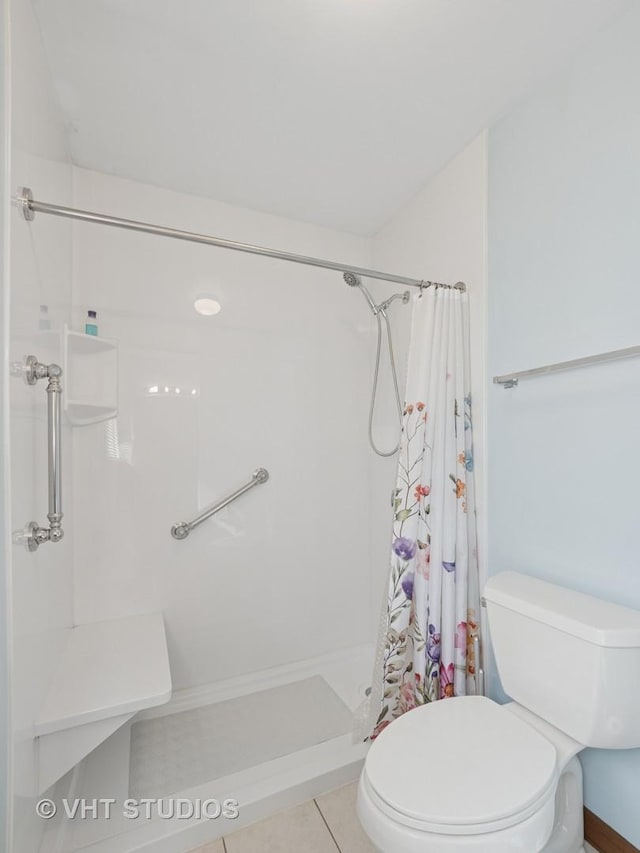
(374, 389)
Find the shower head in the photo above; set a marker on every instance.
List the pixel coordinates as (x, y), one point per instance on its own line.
(353, 281)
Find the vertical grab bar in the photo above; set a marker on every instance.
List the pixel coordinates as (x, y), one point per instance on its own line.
(34, 370)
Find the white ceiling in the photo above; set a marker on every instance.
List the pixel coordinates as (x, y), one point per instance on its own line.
(328, 111)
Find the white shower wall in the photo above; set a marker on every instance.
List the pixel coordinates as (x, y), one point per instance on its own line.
(439, 234)
(279, 379)
(40, 583)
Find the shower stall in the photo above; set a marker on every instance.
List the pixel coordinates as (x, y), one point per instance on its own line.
(267, 595)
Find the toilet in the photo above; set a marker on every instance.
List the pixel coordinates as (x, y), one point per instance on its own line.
(468, 774)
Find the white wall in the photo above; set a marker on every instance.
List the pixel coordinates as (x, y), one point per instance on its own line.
(40, 583)
(281, 380)
(5, 491)
(440, 235)
(564, 256)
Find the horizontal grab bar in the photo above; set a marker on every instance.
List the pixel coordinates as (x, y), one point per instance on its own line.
(183, 528)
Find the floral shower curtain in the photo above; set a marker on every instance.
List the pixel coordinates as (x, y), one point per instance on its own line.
(431, 614)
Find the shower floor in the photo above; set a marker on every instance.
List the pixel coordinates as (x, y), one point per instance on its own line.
(269, 740)
(179, 751)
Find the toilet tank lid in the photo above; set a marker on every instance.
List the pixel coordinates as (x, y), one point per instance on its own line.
(592, 619)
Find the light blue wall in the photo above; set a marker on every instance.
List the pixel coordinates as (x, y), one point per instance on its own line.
(564, 282)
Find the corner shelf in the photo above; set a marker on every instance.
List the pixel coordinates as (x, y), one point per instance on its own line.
(108, 671)
(90, 366)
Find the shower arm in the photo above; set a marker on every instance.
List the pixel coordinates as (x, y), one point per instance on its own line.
(403, 296)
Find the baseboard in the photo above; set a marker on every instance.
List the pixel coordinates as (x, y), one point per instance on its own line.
(606, 840)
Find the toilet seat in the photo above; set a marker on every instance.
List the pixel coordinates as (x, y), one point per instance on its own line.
(461, 766)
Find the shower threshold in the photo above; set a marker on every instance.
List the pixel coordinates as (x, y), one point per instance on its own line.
(236, 727)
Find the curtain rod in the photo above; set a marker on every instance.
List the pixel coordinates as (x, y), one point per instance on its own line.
(31, 206)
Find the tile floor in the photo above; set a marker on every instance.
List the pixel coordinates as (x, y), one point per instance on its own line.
(327, 824)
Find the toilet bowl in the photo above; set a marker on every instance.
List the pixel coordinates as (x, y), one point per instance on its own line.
(488, 781)
(468, 774)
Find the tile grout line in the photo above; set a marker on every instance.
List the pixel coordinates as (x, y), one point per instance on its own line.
(324, 820)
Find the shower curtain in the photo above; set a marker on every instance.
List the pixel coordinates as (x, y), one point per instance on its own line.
(431, 613)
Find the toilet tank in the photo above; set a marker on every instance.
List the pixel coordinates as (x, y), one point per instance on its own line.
(571, 659)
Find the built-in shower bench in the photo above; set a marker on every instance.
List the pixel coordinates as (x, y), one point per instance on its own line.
(109, 671)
